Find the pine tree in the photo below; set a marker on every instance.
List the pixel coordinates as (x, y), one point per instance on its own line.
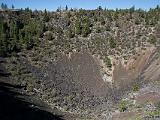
(66, 8)
(86, 30)
(4, 6)
(112, 42)
(102, 21)
(86, 27)
(100, 8)
(46, 16)
(70, 33)
(12, 6)
(78, 29)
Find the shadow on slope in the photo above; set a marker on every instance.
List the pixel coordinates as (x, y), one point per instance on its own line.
(16, 108)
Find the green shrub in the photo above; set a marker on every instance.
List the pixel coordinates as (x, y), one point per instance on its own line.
(152, 40)
(154, 113)
(29, 87)
(135, 87)
(70, 33)
(158, 105)
(112, 42)
(108, 62)
(123, 106)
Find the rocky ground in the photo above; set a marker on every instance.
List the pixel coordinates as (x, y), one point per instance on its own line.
(17, 104)
(73, 86)
(80, 64)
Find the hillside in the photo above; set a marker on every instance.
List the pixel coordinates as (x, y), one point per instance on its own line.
(90, 64)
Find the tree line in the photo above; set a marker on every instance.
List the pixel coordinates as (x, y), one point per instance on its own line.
(23, 29)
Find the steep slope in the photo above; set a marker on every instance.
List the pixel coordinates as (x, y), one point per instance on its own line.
(124, 74)
(79, 62)
(74, 83)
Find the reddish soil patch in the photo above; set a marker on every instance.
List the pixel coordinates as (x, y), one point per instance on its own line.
(148, 97)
